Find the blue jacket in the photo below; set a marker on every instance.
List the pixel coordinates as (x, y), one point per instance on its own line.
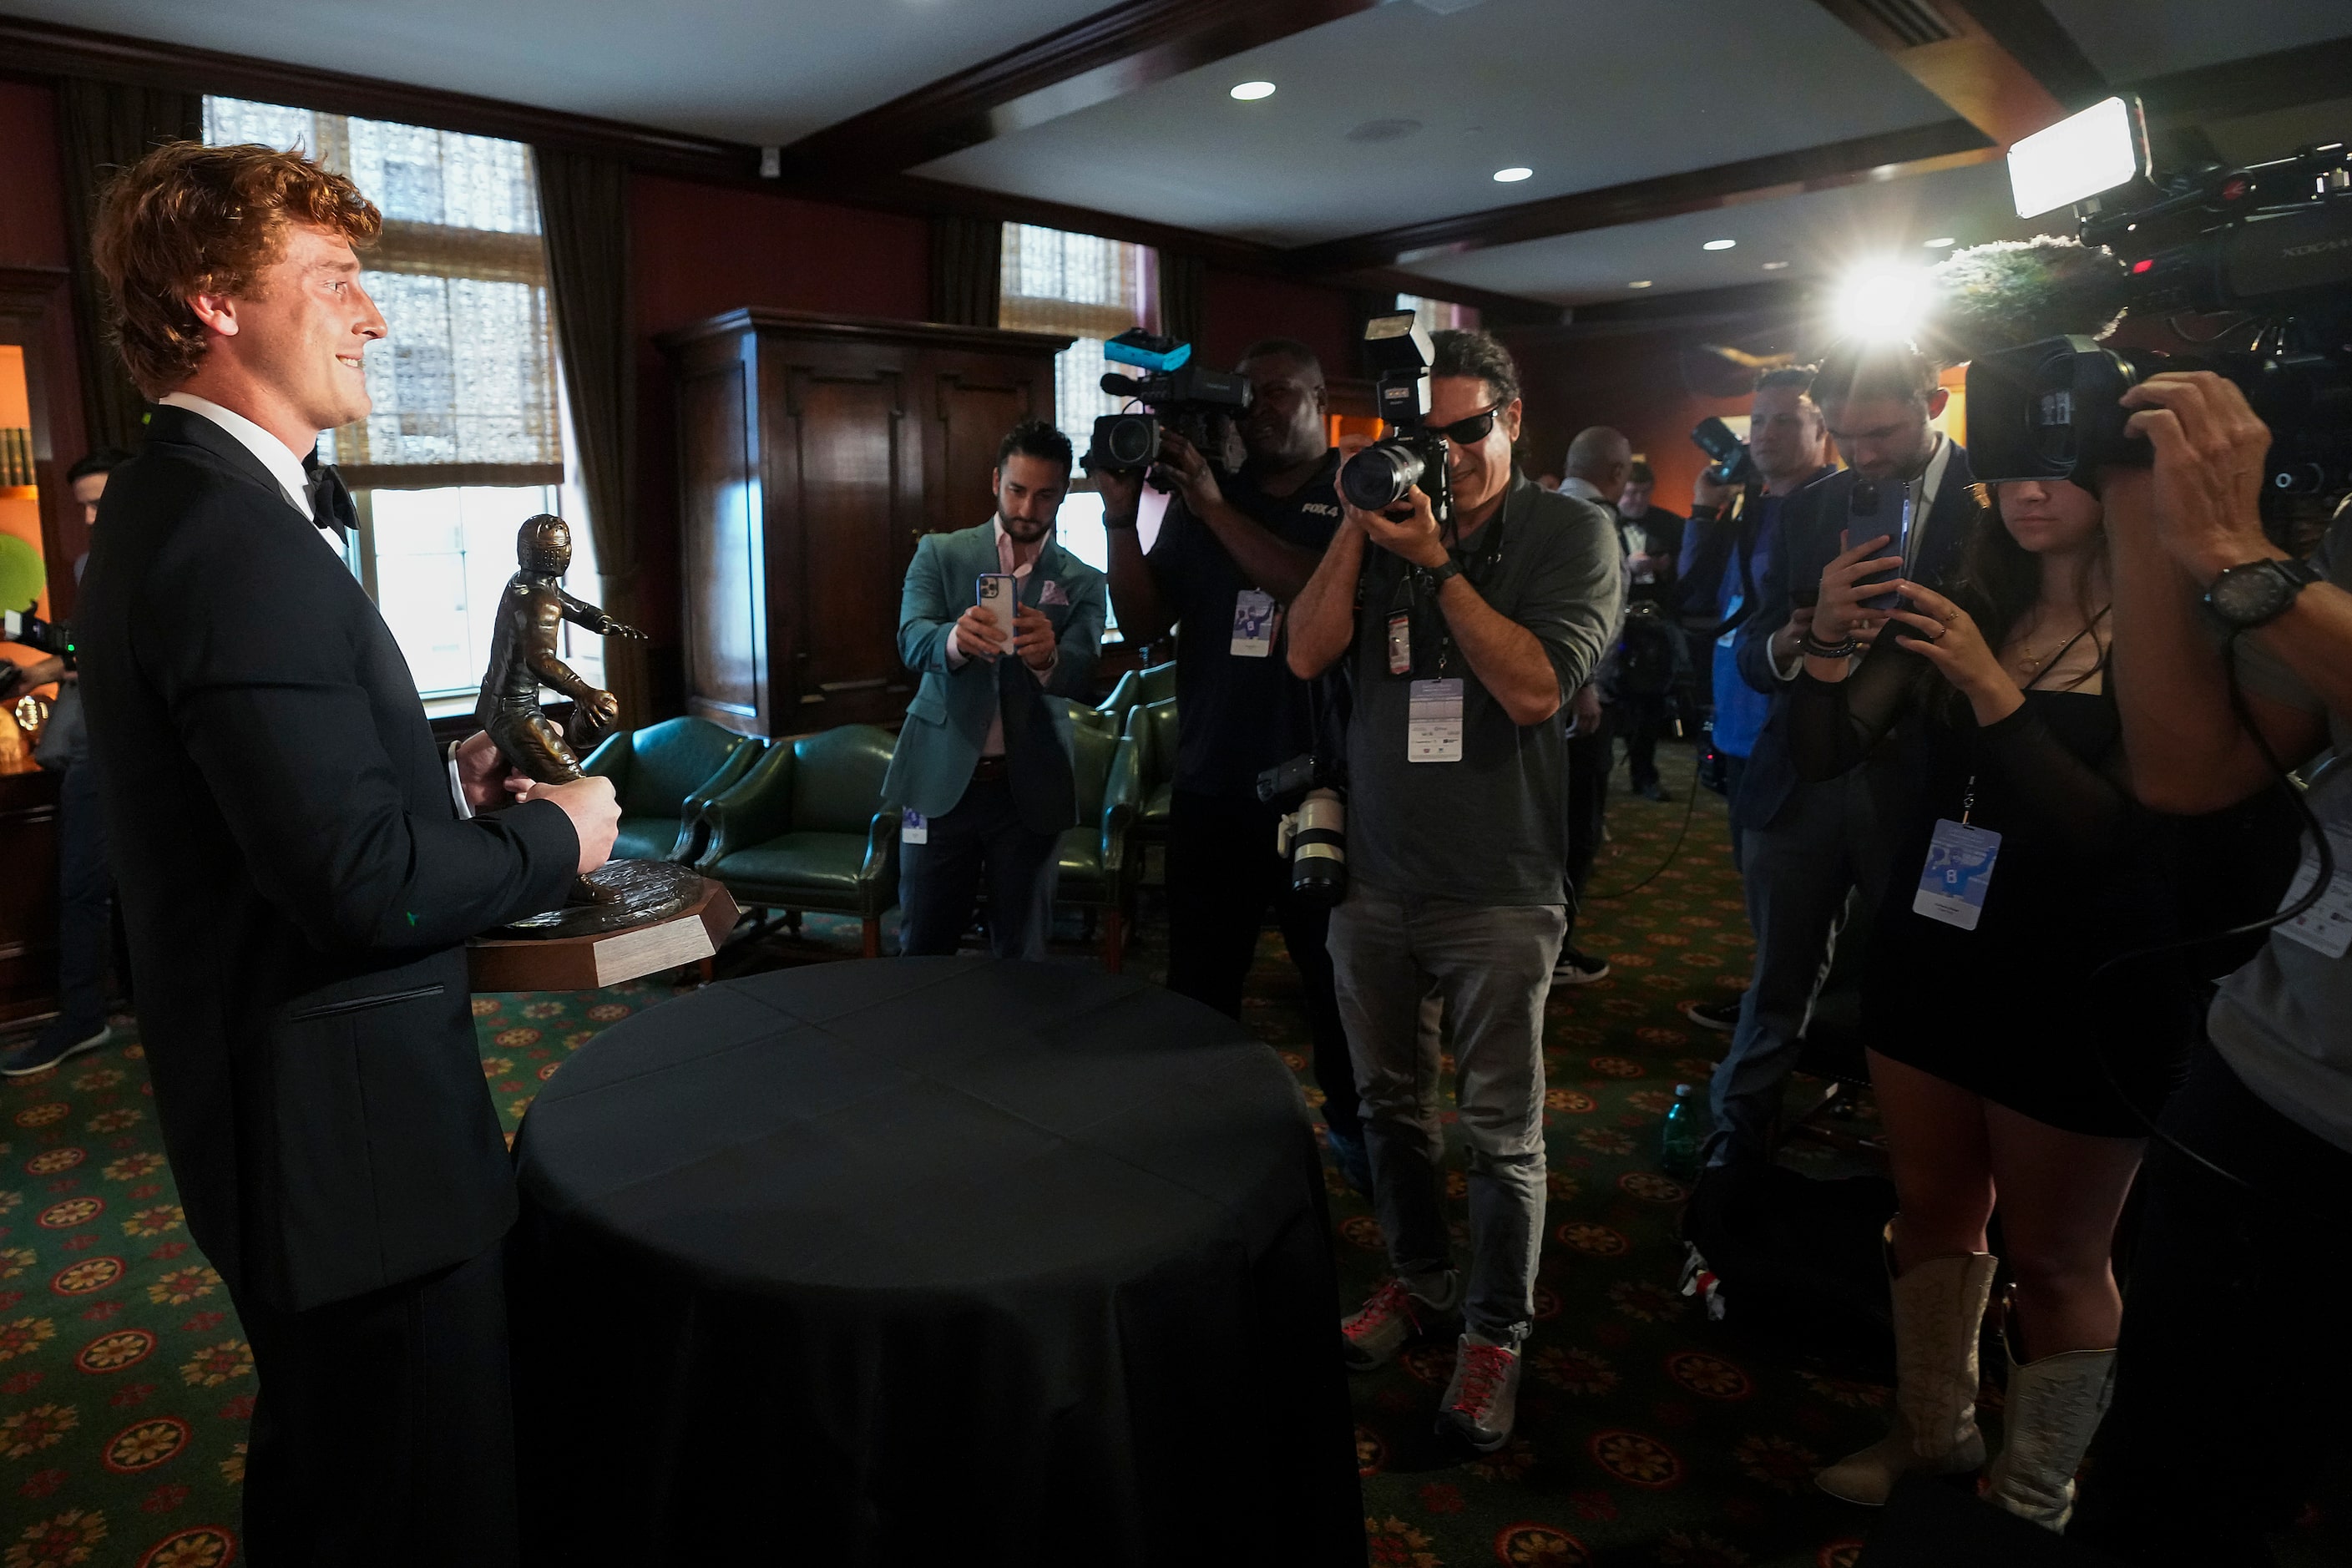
(1810, 525)
(947, 723)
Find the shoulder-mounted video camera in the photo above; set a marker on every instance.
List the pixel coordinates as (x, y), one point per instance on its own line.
(1398, 352)
(1195, 402)
(2271, 241)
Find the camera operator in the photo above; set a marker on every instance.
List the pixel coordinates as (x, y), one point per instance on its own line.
(85, 887)
(2223, 1409)
(1228, 557)
(1598, 462)
(1805, 846)
(1466, 645)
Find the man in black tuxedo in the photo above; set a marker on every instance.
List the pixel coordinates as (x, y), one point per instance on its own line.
(300, 867)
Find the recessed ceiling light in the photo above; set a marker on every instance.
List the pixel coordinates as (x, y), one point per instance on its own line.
(1513, 174)
(1640, 283)
(1249, 90)
(1775, 267)
(1719, 245)
(1941, 244)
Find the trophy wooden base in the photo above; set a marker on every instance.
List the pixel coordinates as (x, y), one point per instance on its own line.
(590, 962)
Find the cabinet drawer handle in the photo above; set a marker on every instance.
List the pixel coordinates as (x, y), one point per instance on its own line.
(361, 1004)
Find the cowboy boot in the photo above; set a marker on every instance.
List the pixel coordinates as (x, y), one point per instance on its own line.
(2053, 1408)
(1938, 1305)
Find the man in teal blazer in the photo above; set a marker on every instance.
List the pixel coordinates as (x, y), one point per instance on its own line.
(982, 771)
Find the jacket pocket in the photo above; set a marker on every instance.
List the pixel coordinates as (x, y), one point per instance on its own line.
(363, 1004)
(927, 706)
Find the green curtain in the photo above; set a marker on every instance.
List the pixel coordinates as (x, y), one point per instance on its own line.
(583, 201)
(967, 270)
(1183, 297)
(103, 128)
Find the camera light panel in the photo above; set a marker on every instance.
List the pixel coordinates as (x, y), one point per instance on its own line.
(2075, 159)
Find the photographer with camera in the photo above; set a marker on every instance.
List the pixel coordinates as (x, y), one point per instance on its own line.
(1230, 556)
(1803, 846)
(85, 886)
(1471, 604)
(2223, 1410)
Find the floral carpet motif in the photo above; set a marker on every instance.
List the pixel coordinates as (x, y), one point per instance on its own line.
(1645, 1437)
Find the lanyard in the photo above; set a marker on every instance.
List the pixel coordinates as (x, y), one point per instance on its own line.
(1413, 595)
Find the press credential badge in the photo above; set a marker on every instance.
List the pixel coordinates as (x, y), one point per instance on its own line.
(1253, 612)
(913, 828)
(1960, 869)
(2327, 926)
(1433, 730)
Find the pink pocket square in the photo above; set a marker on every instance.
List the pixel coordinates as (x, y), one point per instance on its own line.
(1051, 594)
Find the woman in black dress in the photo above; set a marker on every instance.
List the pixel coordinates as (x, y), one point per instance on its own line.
(1997, 1061)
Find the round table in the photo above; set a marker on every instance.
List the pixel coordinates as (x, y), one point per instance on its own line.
(929, 1261)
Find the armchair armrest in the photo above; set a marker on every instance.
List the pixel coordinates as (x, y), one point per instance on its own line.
(690, 823)
(755, 808)
(878, 876)
(1122, 798)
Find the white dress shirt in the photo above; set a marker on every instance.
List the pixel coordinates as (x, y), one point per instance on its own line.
(284, 464)
(1006, 552)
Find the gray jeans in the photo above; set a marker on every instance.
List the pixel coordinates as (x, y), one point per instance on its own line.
(1493, 967)
(1797, 873)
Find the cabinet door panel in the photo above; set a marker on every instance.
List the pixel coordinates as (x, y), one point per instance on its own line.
(850, 457)
(725, 574)
(973, 406)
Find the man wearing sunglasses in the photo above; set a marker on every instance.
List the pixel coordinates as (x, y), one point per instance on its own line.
(1466, 642)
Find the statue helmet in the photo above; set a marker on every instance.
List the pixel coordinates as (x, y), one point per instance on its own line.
(544, 545)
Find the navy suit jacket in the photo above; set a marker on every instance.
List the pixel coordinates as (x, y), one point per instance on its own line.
(1809, 525)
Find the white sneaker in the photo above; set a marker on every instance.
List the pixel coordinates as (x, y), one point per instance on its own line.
(1482, 1403)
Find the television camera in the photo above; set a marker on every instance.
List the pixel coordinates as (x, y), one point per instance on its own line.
(2271, 243)
(1195, 402)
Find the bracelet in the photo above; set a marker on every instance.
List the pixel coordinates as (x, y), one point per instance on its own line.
(1813, 649)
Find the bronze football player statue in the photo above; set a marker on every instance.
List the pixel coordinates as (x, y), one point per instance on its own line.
(531, 613)
(531, 616)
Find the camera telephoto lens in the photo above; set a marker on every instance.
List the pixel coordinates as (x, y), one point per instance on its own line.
(1378, 476)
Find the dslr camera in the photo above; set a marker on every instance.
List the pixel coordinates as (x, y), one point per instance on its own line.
(1398, 351)
(1197, 403)
(1313, 835)
(2271, 242)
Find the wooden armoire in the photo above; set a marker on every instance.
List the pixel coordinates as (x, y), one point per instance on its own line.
(813, 451)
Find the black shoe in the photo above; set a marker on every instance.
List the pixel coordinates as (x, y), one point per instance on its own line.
(1721, 1016)
(62, 1039)
(1652, 790)
(1576, 968)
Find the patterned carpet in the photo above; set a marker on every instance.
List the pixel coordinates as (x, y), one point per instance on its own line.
(125, 1386)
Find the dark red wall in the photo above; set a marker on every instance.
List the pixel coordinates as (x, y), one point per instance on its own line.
(1636, 382)
(1241, 308)
(32, 200)
(698, 250)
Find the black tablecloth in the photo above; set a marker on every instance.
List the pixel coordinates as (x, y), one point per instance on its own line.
(929, 1261)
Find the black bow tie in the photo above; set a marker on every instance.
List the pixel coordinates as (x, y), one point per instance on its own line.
(330, 503)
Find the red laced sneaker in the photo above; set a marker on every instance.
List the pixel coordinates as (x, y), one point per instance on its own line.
(1393, 1318)
(1482, 1403)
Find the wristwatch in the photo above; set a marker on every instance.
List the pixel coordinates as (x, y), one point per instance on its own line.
(1449, 567)
(2259, 592)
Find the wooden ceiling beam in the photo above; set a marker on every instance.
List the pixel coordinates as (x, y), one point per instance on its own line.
(1949, 143)
(1123, 49)
(2006, 67)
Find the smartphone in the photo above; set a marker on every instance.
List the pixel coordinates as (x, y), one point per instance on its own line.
(999, 593)
(1871, 510)
(1733, 466)
(1806, 597)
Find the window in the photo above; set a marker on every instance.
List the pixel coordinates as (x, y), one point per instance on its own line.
(467, 436)
(1438, 315)
(1092, 289)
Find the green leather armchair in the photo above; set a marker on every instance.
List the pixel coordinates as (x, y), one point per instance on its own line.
(1082, 716)
(803, 829)
(1151, 730)
(664, 775)
(1096, 869)
(1136, 687)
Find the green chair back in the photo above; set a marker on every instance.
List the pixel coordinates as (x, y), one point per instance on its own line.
(838, 778)
(673, 759)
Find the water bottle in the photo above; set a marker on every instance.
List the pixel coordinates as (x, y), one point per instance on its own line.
(1678, 1146)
